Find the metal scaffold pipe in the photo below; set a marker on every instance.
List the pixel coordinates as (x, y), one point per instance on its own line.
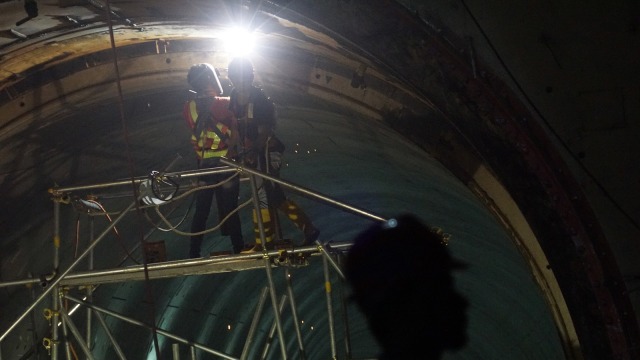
(159, 331)
(267, 266)
(218, 264)
(68, 323)
(54, 321)
(327, 257)
(304, 191)
(56, 264)
(138, 180)
(254, 323)
(345, 314)
(328, 291)
(107, 331)
(272, 330)
(55, 283)
(312, 194)
(175, 347)
(294, 312)
(89, 291)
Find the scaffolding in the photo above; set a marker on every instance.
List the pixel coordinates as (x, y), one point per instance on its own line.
(55, 285)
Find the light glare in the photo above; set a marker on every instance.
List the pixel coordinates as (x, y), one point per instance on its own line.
(239, 41)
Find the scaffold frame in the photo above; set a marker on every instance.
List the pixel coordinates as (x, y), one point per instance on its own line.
(54, 285)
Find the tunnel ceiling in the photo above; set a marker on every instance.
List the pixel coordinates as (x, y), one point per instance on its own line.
(533, 109)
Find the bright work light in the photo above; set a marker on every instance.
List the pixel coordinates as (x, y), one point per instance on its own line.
(239, 41)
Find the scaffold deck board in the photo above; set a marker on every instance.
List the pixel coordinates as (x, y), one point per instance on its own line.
(204, 266)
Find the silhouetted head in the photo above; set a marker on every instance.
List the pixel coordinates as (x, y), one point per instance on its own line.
(401, 276)
(203, 76)
(240, 72)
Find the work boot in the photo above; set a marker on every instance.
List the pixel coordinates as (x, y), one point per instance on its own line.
(267, 226)
(301, 220)
(237, 249)
(257, 248)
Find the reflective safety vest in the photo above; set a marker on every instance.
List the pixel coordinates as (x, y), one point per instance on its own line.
(209, 143)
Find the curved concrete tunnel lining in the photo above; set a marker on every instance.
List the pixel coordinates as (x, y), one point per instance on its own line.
(88, 73)
(266, 82)
(335, 159)
(408, 174)
(444, 213)
(147, 84)
(497, 199)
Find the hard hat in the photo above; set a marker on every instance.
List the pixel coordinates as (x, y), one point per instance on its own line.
(201, 76)
(240, 69)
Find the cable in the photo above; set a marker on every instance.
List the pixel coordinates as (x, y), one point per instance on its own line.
(157, 180)
(184, 217)
(179, 232)
(115, 230)
(148, 293)
(546, 122)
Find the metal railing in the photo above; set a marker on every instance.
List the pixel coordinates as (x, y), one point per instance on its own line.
(54, 284)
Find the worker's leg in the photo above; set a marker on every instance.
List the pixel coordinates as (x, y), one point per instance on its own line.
(227, 201)
(295, 213)
(204, 198)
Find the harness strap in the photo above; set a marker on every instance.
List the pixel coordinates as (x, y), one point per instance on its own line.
(207, 116)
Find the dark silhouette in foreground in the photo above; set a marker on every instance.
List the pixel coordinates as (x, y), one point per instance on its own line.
(401, 275)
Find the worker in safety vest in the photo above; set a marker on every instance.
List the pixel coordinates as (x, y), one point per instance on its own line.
(214, 135)
(262, 150)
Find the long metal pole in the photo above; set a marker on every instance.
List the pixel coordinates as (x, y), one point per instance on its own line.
(103, 323)
(89, 291)
(294, 311)
(55, 283)
(327, 257)
(272, 330)
(56, 235)
(259, 220)
(65, 333)
(159, 331)
(254, 323)
(34, 333)
(267, 266)
(169, 269)
(53, 289)
(327, 287)
(304, 191)
(345, 315)
(175, 347)
(74, 330)
(184, 174)
(173, 268)
(312, 194)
